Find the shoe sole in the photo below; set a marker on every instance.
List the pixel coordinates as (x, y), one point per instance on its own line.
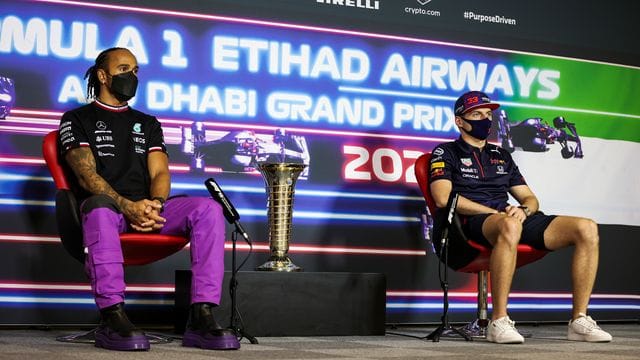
(490, 339)
(583, 338)
(507, 342)
(226, 342)
(137, 343)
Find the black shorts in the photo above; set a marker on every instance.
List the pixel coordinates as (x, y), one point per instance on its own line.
(470, 227)
(533, 229)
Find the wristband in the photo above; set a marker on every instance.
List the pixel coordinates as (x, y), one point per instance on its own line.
(162, 200)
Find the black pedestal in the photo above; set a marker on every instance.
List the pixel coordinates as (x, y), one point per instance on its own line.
(297, 303)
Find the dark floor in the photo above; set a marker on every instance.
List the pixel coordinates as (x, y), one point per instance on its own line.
(547, 342)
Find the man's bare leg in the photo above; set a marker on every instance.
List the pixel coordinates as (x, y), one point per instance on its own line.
(504, 234)
(565, 231)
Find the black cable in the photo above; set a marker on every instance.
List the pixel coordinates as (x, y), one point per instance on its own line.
(235, 311)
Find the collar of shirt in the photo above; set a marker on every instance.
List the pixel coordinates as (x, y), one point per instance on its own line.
(111, 108)
(467, 148)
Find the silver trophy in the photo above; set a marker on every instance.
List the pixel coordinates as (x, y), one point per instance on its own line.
(280, 180)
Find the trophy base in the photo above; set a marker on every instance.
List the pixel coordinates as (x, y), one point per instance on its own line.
(279, 264)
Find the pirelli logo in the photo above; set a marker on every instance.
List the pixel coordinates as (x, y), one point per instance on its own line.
(363, 4)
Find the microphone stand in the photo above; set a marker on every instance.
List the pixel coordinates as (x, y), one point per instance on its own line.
(444, 283)
(233, 285)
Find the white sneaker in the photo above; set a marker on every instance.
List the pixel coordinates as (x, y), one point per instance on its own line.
(585, 328)
(503, 331)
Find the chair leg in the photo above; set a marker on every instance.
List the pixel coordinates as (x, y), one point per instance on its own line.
(478, 327)
(483, 295)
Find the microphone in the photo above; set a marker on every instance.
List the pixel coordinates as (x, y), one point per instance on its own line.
(452, 210)
(229, 211)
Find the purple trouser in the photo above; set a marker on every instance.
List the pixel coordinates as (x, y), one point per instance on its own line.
(199, 218)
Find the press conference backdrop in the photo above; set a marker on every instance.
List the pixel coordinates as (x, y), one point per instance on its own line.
(356, 90)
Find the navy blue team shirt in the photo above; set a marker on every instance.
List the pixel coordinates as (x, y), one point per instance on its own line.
(483, 176)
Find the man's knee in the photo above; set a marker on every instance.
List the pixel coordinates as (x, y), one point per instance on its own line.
(204, 207)
(99, 201)
(509, 230)
(203, 203)
(587, 231)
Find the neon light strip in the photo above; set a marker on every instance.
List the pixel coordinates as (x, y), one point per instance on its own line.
(316, 29)
(354, 89)
(326, 132)
(52, 113)
(430, 306)
(31, 120)
(364, 90)
(79, 287)
(318, 193)
(530, 306)
(314, 215)
(336, 216)
(341, 133)
(24, 130)
(72, 300)
(435, 305)
(22, 202)
(245, 247)
(29, 238)
(391, 293)
(40, 161)
(21, 160)
(511, 295)
(179, 168)
(243, 189)
(353, 251)
(167, 289)
(15, 177)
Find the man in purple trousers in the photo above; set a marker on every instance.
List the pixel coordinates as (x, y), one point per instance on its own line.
(119, 158)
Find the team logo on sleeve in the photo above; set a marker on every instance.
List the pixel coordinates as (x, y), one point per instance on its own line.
(100, 125)
(438, 152)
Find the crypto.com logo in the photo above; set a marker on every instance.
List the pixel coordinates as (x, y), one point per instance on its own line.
(423, 2)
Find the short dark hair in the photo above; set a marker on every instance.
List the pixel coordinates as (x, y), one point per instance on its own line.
(93, 84)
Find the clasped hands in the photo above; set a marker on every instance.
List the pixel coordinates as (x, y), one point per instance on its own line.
(144, 215)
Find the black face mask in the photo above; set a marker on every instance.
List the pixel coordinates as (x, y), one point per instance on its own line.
(124, 85)
(480, 129)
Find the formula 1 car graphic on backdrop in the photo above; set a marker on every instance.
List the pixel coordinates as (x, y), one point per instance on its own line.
(534, 134)
(242, 150)
(7, 96)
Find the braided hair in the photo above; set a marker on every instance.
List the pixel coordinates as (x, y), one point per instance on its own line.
(93, 84)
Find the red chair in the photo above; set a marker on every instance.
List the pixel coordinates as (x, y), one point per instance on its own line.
(138, 248)
(478, 254)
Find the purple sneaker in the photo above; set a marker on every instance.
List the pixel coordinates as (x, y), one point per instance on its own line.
(116, 332)
(204, 332)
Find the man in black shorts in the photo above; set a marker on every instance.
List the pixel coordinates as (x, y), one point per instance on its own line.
(483, 174)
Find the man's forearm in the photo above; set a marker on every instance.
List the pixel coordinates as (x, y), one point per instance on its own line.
(469, 207)
(160, 186)
(531, 203)
(83, 164)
